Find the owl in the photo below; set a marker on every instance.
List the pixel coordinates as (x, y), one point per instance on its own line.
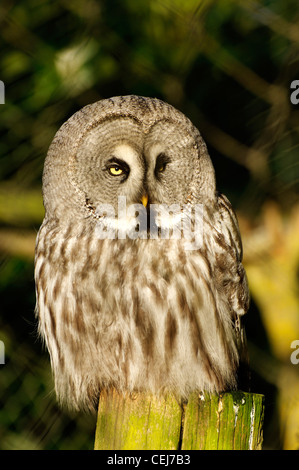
(127, 298)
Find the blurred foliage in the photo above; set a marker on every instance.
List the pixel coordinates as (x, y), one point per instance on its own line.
(228, 65)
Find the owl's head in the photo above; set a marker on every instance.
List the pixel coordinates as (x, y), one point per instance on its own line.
(139, 148)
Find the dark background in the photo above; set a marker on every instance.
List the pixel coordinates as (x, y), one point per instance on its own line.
(228, 66)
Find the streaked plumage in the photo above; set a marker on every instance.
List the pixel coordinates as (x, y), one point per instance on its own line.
(143, 314)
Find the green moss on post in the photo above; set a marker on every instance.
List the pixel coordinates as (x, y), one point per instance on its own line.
(138, 421)
(208, 421)
(231, 421)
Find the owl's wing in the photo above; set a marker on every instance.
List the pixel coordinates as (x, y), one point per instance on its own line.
(234, 278)
(228, 228)
(229, 225)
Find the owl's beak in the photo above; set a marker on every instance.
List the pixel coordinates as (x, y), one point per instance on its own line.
(144, 200)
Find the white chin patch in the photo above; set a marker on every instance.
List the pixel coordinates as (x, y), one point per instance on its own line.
(157, 221)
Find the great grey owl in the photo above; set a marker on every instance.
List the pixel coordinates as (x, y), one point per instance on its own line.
(141, 306)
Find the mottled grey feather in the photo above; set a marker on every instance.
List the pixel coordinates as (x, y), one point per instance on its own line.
(143, 314)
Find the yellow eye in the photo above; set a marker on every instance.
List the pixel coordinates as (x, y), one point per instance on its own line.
(162, 168)
(115, 170)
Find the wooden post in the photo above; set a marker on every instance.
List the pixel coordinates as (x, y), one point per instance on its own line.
(141, 421)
